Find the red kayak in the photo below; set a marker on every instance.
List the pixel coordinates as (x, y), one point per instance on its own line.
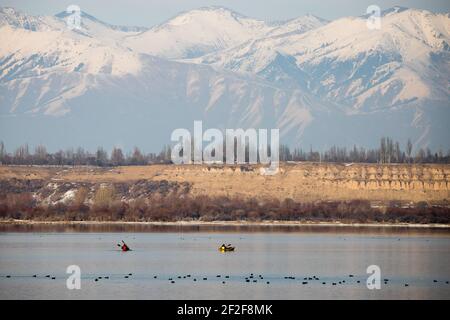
(124, 247)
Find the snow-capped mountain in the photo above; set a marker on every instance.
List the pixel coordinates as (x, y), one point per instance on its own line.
(345, 61)
(211, 29)
(90, 22)
(196, 32)
(297, 25)
(35, 49)
(61, 78)
(320, 82)
(35, 46)
(107, 33)
(17, 19)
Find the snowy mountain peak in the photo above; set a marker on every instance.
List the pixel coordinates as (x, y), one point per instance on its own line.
(197, 32)
(35, 47)
(405, 61)
(298, 25)
(393, 10)
(387, 12)
(207, 15)
(85, 16)
(219, 10)
(17, 19)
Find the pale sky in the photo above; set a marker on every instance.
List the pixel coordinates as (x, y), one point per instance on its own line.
(151, 12)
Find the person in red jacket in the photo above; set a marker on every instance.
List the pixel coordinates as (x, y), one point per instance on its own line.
(124, 246)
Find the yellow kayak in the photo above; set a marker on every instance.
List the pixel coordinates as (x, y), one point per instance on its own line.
(225, 249)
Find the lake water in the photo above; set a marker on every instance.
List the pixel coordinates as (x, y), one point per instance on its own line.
(417, 257)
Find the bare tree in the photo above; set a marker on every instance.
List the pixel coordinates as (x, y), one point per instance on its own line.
(101, 157)
(80, 157)
(137, 158)
(165, 154)
(397, 153)
(409, 147)
(383, 150)
(22, 154)
(40, 155)
(420, 156)
(390, 149)
(59, 158)
(117, 158)
(2, 152)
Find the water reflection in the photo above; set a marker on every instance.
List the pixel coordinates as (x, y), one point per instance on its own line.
(243, 228)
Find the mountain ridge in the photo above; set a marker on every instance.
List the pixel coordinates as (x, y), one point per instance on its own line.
(322, 86)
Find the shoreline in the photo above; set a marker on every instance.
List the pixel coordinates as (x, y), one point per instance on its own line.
(236, 223)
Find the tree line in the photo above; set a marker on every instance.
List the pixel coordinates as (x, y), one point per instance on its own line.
(79, 157)
(389, 151)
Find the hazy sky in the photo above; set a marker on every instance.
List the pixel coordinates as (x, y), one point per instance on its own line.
(151, 12)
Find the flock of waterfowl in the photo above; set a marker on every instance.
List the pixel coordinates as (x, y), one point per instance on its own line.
(251, 278)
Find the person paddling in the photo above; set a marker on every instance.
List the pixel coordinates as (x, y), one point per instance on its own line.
(224, 247)
(124, 246)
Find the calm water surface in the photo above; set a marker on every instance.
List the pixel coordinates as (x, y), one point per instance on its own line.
(417, 257)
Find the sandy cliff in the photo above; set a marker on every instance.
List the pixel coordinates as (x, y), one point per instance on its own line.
(299, 181)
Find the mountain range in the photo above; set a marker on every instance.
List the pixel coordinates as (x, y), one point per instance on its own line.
(321, 82)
